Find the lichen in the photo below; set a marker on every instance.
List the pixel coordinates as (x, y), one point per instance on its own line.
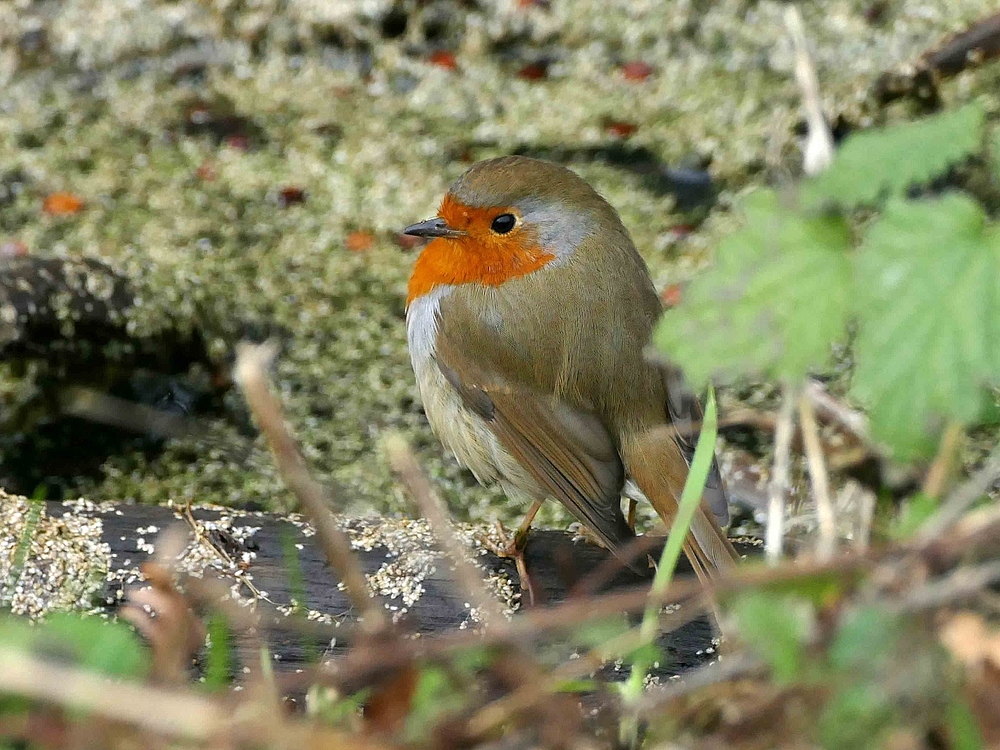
(344, 105)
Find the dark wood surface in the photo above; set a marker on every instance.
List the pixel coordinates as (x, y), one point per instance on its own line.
(555, 560)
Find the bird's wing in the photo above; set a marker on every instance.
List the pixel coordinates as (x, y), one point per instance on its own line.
(684, 410)
(567, 450)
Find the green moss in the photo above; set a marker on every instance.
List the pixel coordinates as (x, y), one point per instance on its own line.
(373, 134)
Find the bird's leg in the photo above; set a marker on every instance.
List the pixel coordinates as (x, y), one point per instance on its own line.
(631, 513)
(513, 549)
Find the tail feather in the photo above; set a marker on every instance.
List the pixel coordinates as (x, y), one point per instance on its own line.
(658, 466)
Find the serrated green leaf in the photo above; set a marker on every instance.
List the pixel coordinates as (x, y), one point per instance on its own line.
(928, 301)
(777, 629)
(773, 303)
(887, 161)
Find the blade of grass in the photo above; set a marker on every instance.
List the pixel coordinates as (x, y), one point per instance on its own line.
(694, 488)
(23, 546)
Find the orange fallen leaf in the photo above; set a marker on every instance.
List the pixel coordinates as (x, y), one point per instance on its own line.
(534, 71)
(206, 172)
(358, 242)
(672, 295)
(620, 128)
(443, 59)
(62, 204)
(637, 70)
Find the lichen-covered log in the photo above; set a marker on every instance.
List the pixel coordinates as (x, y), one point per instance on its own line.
(87, 556)
(77, 310)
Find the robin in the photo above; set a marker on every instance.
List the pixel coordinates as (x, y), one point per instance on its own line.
(526, 316)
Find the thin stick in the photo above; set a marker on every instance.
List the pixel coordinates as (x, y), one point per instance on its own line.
(774, 535)
(710, 674)
(404, 463)
(961, 499)
(830, 409)
(166, 712)
(944, 461)
(819, 480)
(866, 513)
(316, 500)
(818, 149)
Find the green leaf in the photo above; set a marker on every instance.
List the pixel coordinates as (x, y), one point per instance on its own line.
(917, 509)
(773, 303)
(963, 731)
(867, 642)
(855, 718)
(594, 633)
(108, 647)
(890, 160)
(218, 660)
(777, 629)
(928, 299)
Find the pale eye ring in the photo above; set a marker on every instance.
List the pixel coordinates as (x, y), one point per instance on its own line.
(504, 223)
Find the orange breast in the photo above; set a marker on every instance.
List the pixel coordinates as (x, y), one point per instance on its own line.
(467, 260)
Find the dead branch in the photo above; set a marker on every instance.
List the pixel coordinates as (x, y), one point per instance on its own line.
(316, 500)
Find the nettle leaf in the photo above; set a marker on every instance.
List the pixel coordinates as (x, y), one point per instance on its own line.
(890, 160)
(773, 303)
(928, 302)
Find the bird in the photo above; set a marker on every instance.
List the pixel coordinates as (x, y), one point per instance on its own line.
(528, 316)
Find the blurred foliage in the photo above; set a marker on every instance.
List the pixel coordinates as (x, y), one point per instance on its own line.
(918, 283)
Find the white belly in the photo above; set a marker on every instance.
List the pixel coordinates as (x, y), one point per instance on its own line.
(461, 431)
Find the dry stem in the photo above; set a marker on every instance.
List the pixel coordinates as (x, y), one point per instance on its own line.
(316, 500)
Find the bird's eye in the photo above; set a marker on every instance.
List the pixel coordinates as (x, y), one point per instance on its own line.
(503, 223)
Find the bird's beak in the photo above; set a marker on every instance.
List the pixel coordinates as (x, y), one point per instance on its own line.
(436, 227)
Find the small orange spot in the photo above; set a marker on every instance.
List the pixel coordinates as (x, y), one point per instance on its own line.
(62, 204)
(207, 172)
(535, 71)
(637, 71)
(672, 295)
(443, 59)
(620, 128)
(358, 242)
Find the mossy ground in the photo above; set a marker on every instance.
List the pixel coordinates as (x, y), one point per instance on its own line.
(341, 100)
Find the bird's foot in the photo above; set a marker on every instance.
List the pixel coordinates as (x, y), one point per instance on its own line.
(513, 549)
(583, 534)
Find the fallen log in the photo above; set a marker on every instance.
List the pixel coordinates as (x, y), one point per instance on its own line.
(88, 556)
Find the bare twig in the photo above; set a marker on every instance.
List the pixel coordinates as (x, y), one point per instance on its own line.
(818, 149)
(944, 461)
(866, 513)
(404, 463)
(717, 671)
(829, 409)
(316, 500)
(166, 712)
(961, 584)
(962, 498)
(779, 476)
(819, 480)
(92, 405)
